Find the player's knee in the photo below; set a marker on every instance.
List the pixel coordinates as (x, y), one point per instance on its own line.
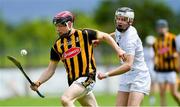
(65, 100)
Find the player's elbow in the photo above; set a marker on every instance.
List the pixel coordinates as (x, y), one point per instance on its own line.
(107, 37)
(103, 36)
(128, 66)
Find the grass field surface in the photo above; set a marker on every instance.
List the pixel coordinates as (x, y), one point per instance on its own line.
(103, 100)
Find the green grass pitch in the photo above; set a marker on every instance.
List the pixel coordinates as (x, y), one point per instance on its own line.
(102, 99)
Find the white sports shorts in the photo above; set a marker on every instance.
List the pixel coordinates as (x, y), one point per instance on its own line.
(153, 75)
(152, 72)
(87, 82)
(135, 81)
(169, 77)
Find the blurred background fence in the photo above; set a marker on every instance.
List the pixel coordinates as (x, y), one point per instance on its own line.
(13, 83)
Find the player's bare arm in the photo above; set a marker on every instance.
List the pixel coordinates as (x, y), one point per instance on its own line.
(112, 34)
(49, 72)
(96, 42)
(110, 40)
(119, 70)
(46, 75)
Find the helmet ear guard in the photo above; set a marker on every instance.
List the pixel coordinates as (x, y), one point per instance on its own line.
(69, 25)
(65, 18)
(131, 21)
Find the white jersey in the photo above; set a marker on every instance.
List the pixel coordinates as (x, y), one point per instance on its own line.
(149, 56)
(178, 43)
(130, 42)
(149, 59)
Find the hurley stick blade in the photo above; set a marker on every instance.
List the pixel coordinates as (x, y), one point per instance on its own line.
(17, 63)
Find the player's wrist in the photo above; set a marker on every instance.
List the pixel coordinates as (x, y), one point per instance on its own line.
(106, 74)
(38, 83)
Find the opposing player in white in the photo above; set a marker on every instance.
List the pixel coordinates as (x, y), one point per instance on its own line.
(134, 77)
(178, 50)
(178, 46)
(149, 59)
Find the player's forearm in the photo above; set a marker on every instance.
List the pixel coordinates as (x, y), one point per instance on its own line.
(46, 76)
(111, 41)
(120, 70)
(112, 34)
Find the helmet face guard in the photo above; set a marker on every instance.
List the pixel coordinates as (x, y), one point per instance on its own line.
(127, 14)
(63, 18)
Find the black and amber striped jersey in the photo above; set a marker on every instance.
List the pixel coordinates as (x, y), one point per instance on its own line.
(76, 52)
(164, 49)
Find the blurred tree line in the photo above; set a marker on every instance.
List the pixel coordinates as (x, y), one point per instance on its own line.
(37, 36)
(147, 12)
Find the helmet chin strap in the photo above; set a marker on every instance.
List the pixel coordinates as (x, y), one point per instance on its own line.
(69, 29)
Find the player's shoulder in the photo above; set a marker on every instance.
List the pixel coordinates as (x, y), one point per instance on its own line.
(178, 37)
(171, 35)
(132, 30)
(132, 33)
(89, 30)
(57, 40)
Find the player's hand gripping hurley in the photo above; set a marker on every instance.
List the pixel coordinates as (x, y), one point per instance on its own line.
(17, 63)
